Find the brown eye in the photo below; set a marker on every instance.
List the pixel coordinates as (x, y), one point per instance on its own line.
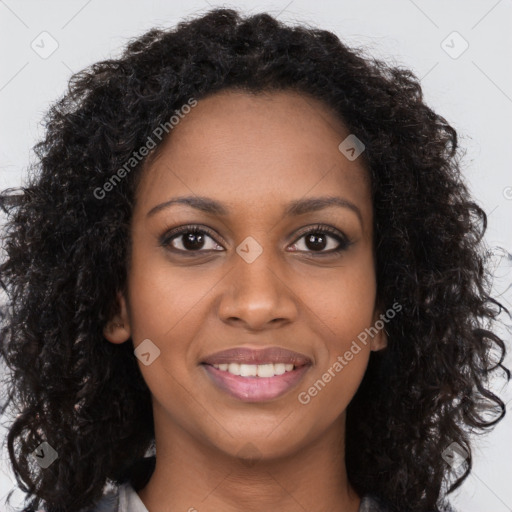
(189, 239)
(320, 238)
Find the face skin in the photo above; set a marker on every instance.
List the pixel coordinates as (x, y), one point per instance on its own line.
(254, 154)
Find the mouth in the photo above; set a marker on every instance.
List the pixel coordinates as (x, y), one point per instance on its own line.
(255, 388)
(256, 376)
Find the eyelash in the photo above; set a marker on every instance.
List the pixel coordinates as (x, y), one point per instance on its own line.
(169, 236)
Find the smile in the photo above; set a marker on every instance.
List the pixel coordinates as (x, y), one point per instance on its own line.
(255, 383)
(255, 370)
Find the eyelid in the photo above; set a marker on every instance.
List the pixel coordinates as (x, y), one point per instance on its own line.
(324, 228)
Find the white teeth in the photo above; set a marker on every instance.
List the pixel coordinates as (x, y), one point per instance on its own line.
(234, 368)
(255, 370)
(265, 370)
(280, 368)
(248, 370)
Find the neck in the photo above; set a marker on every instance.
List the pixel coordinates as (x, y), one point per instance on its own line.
(194, 476)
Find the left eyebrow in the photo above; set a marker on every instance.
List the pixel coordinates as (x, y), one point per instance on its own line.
(297, 207)
(314, 204)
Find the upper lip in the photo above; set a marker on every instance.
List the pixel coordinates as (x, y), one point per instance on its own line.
(268, 355)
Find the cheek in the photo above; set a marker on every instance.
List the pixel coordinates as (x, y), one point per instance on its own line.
(332, 390)
(343, 303)
(343, 357)
(163, 297)
(342, 308)
(167, 306)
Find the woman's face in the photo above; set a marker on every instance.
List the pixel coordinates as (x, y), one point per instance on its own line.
(253, 278)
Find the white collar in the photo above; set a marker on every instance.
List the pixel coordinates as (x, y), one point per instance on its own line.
(129, 500)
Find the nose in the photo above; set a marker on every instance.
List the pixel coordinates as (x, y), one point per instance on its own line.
(256, 295)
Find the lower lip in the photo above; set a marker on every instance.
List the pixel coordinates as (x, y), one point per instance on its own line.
(255, 389)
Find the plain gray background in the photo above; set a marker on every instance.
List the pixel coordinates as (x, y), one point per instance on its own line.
(460, 50)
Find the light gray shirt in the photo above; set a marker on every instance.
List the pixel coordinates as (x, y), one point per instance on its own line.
(124, 500)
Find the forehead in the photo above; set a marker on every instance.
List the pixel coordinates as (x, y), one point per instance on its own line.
(248, 149)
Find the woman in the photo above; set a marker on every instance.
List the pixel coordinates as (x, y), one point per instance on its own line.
(247, 276)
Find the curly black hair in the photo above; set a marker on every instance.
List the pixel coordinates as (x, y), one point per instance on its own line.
(66, 255)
